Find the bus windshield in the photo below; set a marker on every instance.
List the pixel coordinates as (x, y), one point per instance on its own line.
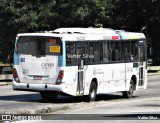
(39, 45)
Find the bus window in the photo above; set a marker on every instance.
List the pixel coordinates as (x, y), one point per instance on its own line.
(91, 51)
(68, 53)
(96, 52)
(26, 45)
(105, 51)
(117, 51)
(101, 52)
(113, 51)
(39, 46)
(134, 50)
(122, 50)
(127, 53)
(71, 57)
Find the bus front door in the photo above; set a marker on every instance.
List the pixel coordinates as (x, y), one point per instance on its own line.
(141, 51)
(80, 83)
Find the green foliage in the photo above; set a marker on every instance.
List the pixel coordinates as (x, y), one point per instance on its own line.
(142, 16)
(18, 16)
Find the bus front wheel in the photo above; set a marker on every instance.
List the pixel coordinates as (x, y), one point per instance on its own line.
(50, 96)
(92, 91)
(129, 93)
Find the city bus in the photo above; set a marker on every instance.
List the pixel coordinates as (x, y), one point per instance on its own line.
(79, 62)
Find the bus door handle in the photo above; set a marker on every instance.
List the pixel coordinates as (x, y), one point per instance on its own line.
(80, 70)
(82, 64)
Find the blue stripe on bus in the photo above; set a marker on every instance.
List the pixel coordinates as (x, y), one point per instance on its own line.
(62, 59)
(16, 56)
(16, 59)
(120, 36)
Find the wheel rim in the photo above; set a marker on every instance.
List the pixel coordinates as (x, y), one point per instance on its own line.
(131, 89)
(93, 93)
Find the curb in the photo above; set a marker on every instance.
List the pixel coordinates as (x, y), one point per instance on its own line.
(55, 109)
(52, 109)
(5, 83)
(45, 110)
(153, 67)
(153, 74)
(38, 110)
(6, 79)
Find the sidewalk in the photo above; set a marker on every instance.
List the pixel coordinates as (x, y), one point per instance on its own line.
(5, 79)
(153, 70)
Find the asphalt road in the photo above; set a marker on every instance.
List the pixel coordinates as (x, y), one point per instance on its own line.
(143, 107)
(143, 101)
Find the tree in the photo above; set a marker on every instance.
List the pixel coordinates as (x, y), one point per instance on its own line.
(20, 16)
(142, 16)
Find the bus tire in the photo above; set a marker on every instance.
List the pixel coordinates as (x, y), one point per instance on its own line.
(92, 91)
(129, 94)
(49, 96)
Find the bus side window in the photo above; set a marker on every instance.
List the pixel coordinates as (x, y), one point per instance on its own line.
(86, 60)
(105, 51)
(70, 51)
(101, 52)
(91, 51)
(96, 52)
(134, 50)
(127, 54)
(117, 51)
(113, 52)
(109, 51)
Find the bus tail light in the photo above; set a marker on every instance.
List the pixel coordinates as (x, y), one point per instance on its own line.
(60, 77)
(15, 75)
(115, 37)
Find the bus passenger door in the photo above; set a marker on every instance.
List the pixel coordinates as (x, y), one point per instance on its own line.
(80, 60)
(141, 51)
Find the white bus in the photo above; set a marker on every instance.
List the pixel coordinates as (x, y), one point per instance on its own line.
(80, 61)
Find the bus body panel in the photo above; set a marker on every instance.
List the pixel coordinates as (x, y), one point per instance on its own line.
(43, 70)
(110, 77)
(70, 79)
(131, 72)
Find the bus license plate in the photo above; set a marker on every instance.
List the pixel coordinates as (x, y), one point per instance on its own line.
(37, 78)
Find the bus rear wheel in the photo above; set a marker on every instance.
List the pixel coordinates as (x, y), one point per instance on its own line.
(129, 93)
(50, 96)
(92, 91)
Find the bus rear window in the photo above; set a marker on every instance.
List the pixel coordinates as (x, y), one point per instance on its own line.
(39, 45)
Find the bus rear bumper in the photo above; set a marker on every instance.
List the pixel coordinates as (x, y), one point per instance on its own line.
(37, 87)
